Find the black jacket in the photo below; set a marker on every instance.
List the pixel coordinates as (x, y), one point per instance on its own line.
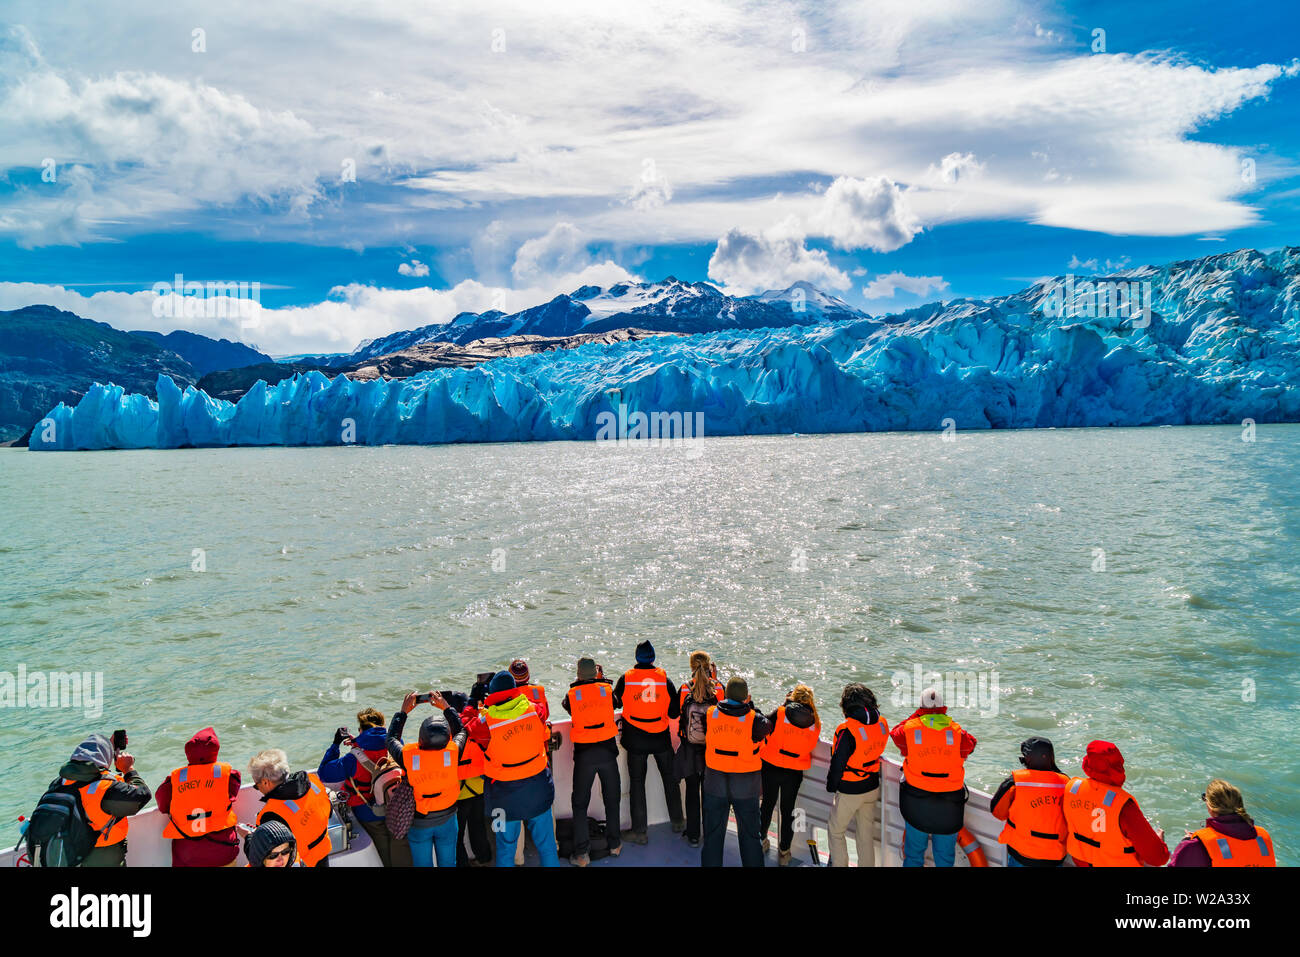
(744, 785)
(844, 746)
(122, 799)
(637, 740)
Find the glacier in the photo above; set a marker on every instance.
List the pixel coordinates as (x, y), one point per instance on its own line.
(1222, 345)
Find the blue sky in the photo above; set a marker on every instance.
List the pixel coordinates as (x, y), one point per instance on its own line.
(890, 153)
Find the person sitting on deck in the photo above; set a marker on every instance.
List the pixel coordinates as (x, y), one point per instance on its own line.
(198, 800)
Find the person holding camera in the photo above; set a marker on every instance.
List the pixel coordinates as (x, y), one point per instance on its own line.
(103, 776)
(356, 771)
(432, 766)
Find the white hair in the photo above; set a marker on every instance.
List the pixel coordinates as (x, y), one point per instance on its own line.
(270, 765)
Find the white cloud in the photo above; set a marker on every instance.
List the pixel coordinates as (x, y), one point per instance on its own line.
(890, 284)
(413, 268)
(955, 167)
(746, 262)
(870, 213)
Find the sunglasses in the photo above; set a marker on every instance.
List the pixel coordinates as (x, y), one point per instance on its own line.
(276, 855)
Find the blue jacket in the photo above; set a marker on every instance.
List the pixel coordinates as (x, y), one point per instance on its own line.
(335, 770)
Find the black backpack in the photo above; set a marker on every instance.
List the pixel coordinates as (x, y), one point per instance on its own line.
(58, 832)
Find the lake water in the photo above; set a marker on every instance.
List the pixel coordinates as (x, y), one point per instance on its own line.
(1136, 585)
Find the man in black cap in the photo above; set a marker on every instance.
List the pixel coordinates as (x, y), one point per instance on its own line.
(592, 701)
(1031, 801)
(649, 704)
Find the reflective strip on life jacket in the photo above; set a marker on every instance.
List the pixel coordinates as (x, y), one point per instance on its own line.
(1035, 826)
(869, 745)
(933, 761)
(516, 747)
(788, 746)
(109, 830)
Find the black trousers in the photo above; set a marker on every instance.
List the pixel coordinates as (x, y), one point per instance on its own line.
(694, 789)
(716, 808)
(587, 766)
(636, 770)
(783, 783)
(469, 817)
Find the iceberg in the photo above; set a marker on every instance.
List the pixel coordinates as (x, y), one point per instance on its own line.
(1216, 341)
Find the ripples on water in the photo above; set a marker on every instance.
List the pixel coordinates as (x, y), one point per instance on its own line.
(816, 558)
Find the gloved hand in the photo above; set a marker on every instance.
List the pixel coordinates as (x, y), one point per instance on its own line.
(478, 693)
(339, 735)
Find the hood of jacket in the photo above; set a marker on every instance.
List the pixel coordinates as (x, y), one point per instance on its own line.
(935, 718)
(734, 708)
(799, 715)
(512, 705)
(81, 771)
(203, 748)
(373, 739)
(1232, 825)
(865, 715)
(291, 788)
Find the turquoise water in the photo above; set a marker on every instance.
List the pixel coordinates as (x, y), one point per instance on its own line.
(815, 558)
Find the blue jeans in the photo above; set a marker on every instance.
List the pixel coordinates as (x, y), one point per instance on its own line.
(542, 829)
(914, 842)
(442, 837)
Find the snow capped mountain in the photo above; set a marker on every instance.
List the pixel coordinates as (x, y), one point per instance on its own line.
(803, 298)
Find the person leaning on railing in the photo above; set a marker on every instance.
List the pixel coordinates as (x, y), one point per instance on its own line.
(1031, 801)
(592, 701)
(854, 775)
(932, 795)
(734, 730)
(700, 692)
(649, 704)
(1104, 825)
(1230, 838)
(786, 755)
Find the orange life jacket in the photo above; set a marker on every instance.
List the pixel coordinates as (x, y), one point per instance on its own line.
(308, 818)
(108, 829)
(592, 708)
(517, 748)
(536, 694)
(1093, 833)
(201, 802)
(933, 761)
(729, 743)
(869, 742)
(1035, 825)
(789, 746)
(470, 764)
(434, 776)
(1227, 851)
(645, 699)
(360, 786)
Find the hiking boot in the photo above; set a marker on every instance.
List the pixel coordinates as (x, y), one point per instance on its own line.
(693, 841)
(783, 858)
(616, 851)
(580, 860)
(679, 827)
(638, 837)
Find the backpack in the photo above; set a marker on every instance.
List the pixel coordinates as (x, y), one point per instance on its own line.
(695, 712)
(391, 796)
(58, 831)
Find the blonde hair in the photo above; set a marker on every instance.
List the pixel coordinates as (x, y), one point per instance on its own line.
(804, 695)
(269, 765)
(1222, 798)
(369, 718)
(701, 676)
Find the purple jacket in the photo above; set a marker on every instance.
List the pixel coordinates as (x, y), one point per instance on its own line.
(1191, 852)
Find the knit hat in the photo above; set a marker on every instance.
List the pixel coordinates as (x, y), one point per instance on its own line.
(645, 653)
(519, 668)
(737, 690)
(434, 732)
(1104, 762)
(586, 668)
(264, 839)
(501, 681)
(931, 698)
(96, 750)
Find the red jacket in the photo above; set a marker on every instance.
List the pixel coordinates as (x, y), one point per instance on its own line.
(213, 850)
(900, 740)
(1133, 824)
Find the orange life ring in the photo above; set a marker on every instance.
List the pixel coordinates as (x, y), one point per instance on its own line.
(971, 846)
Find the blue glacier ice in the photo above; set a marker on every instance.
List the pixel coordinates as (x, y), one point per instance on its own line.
(1221, 344)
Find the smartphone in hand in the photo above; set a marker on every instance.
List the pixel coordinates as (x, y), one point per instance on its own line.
(424, 698)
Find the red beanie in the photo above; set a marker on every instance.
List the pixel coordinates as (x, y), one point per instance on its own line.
(1104, 762)
(519, 671)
